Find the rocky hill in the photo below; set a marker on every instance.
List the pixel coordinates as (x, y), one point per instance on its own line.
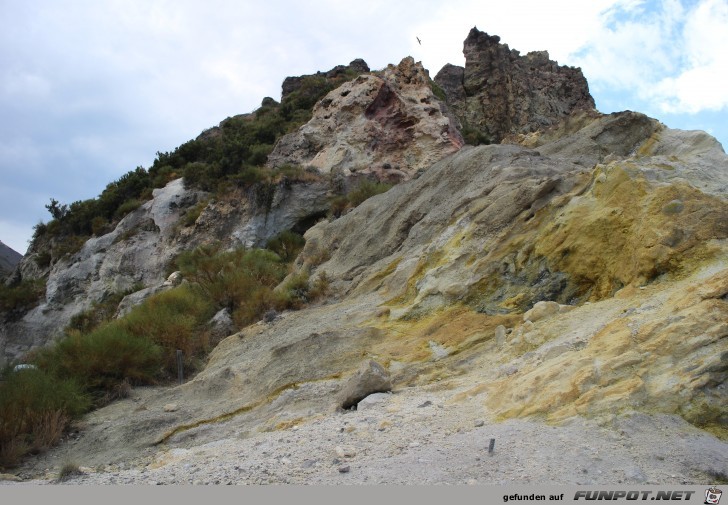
(564, 291)
(8, 259)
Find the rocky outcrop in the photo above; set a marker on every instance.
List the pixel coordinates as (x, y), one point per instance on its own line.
(292, 84)
(500, 92)
(389, 124)
(136, 256)
(547, 285)
(8, 259)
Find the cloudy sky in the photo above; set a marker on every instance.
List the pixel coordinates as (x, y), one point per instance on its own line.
(92, 89)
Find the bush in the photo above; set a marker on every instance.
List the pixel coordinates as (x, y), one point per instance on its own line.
(22, 296)
(35, 408)
(474, 136)
(172, 320)
(103, 360)
(364, 190)
(287, 245)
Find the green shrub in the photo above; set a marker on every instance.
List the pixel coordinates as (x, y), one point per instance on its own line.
(127, 207)
(367, 189)
(103, 360)
(68, 470)
(35, 408)
(172, 320)
(474, 136)
(362, 192)
(22, 296)
(287, 245)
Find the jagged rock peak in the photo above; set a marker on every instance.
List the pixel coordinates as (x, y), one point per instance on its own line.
(500, 92)
(388, 123)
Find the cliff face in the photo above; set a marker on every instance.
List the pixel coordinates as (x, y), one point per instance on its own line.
(579, 268)
(136, 256)
(516, 282)
(500, 92)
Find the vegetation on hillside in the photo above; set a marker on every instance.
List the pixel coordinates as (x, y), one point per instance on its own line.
(233, 153)
(100, 358)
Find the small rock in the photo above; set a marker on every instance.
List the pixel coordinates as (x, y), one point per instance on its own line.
(344, 469)
(425, 404)
(345, 451)
(171, 407)
(384, 425)
(372, 401)
(541, 310)
(500, 335)
(479, 423)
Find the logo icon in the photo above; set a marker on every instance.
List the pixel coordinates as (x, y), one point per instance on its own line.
(712, 496)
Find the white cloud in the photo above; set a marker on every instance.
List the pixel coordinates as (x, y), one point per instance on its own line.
(701, 85)
(670, 55)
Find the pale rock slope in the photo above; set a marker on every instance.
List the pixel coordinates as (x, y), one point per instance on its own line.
(507, 282)
(565, 290)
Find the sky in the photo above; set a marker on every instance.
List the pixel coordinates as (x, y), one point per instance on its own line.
(91, 89)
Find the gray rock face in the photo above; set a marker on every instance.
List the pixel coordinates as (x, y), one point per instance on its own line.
(501, 92)
(389, 124)
(137, 254)
(8, 259)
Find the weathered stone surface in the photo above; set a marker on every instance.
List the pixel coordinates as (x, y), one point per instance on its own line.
(371, 377)
(139, 250)
(500, 92)
(541, 310)
(388, 123)
(221, 325)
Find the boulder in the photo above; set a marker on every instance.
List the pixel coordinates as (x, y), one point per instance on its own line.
(371, 377)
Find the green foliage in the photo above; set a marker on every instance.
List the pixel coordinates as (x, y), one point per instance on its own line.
(474, 136)
(22, 296)
(172, 319)
(438, 91)
(100, 312)
(232, 279)
(68, 470)
(35, 408)
(103, 360)
(364, 190)
(287, 245)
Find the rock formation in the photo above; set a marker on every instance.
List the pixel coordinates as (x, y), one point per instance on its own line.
(501, 92)
(387, 123)
(578, 269)
(135, 256)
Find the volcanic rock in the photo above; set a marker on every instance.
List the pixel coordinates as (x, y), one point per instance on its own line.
(500, 92)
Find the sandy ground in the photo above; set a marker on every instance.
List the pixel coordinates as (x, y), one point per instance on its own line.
(418, 436)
